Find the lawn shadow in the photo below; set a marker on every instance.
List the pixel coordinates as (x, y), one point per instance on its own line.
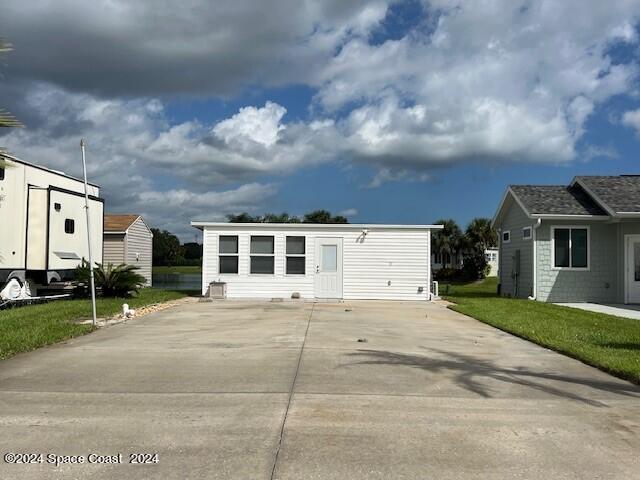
(621, 345)
(470, 372)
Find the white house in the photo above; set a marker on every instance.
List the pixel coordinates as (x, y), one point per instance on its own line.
(492, 255)
(128, 239)
(334, 261)
(43, 225)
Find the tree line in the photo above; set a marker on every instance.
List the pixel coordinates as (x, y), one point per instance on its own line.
(168, 251)
(451, 242)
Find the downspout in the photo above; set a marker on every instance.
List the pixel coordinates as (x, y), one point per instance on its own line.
(534, 236)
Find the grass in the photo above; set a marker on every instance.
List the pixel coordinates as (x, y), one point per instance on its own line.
(609, 343)
(27, 328)
(178, 269)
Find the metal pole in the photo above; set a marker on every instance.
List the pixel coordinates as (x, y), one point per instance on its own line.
(86, 209)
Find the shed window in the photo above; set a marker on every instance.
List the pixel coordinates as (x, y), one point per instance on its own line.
(1, 173)
(69, 226)
(506, 236)
(228, 254)
(262, 254)
(295, 256)
(570, 247)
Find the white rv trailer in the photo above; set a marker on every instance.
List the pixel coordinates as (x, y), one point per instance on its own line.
(311, 261)
(43, 226)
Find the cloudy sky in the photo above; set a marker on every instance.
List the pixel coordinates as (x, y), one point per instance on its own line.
(387, 111)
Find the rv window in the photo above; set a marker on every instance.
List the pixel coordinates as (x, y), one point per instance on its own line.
(228, 254)
(69, 226)
(295, 256)
(262, 258)
(1, 173)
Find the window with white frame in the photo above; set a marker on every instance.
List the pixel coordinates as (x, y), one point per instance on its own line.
(570, 247)
(506, 236)
(228, 254)
(295, 256)
(526, 233)
(262, 256)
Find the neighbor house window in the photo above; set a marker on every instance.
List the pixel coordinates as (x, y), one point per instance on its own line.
(570, 247)
(262, 257)
(69, 225)
(295, 256)
(526, 233)
(506, 236)
(228, 254)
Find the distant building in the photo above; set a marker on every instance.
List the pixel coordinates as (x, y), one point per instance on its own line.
(128, 239)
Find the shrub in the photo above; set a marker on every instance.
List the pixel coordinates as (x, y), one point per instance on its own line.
(447, 274)
(113, 281)
(475, 265)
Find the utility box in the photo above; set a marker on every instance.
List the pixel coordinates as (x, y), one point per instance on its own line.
(218, 290)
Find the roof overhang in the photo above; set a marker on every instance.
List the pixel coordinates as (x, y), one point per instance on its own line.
(542, 216)
(201, 225)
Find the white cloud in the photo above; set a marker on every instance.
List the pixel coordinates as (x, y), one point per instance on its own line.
(260, 125)
(631, 119)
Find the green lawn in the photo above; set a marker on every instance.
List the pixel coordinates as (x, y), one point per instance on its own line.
(27, 328)
(178, 269)
(604, 341)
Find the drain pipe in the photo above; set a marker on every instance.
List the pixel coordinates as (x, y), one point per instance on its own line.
(534, 236)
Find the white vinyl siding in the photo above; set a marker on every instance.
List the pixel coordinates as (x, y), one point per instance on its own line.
(139, 248)
(388, 264)
(113, 249)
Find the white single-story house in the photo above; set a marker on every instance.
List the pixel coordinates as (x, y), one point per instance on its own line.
(128, 239)
(575, 243)
(314, 261)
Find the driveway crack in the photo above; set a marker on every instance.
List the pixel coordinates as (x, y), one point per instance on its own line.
(291, 390)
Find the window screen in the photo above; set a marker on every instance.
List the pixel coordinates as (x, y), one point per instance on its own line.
(69, 226)
(579, 247)
(228, 254)
(295, 261)
(262, 258)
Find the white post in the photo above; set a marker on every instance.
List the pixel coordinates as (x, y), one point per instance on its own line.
(86, 208)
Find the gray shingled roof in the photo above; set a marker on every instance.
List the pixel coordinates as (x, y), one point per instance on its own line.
(556, 200)
(619, 193)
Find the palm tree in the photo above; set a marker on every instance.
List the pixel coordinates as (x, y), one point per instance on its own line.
(480, 235)
(448, 240)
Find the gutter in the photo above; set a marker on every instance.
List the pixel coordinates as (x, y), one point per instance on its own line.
(534, 237)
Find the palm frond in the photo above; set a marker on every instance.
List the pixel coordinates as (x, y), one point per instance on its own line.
(8, 120)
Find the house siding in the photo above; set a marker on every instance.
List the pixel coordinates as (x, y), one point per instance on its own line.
(113, 249)
(139, 248)
(625, 227)
(515, 220)
(598, 284)
(388, 264)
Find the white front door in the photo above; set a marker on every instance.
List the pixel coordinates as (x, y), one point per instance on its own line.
(328, 276)
(632, 264)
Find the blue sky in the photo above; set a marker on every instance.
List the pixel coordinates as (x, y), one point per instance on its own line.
(390, 111)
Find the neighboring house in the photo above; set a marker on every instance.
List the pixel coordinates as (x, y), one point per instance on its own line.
(43, 223)
(446, 260)
(336, 261)
(575, 243)
(492, 255)
(128, 239)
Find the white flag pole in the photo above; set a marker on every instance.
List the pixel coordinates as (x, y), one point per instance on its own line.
(86, 208)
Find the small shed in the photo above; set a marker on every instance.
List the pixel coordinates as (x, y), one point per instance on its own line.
(128, 239)
(309, 261)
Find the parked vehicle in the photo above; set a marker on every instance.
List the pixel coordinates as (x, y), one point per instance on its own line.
(43, 231)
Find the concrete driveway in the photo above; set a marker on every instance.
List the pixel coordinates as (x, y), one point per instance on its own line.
(285, 390)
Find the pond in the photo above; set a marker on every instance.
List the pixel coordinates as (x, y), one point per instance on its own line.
(177, 281)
